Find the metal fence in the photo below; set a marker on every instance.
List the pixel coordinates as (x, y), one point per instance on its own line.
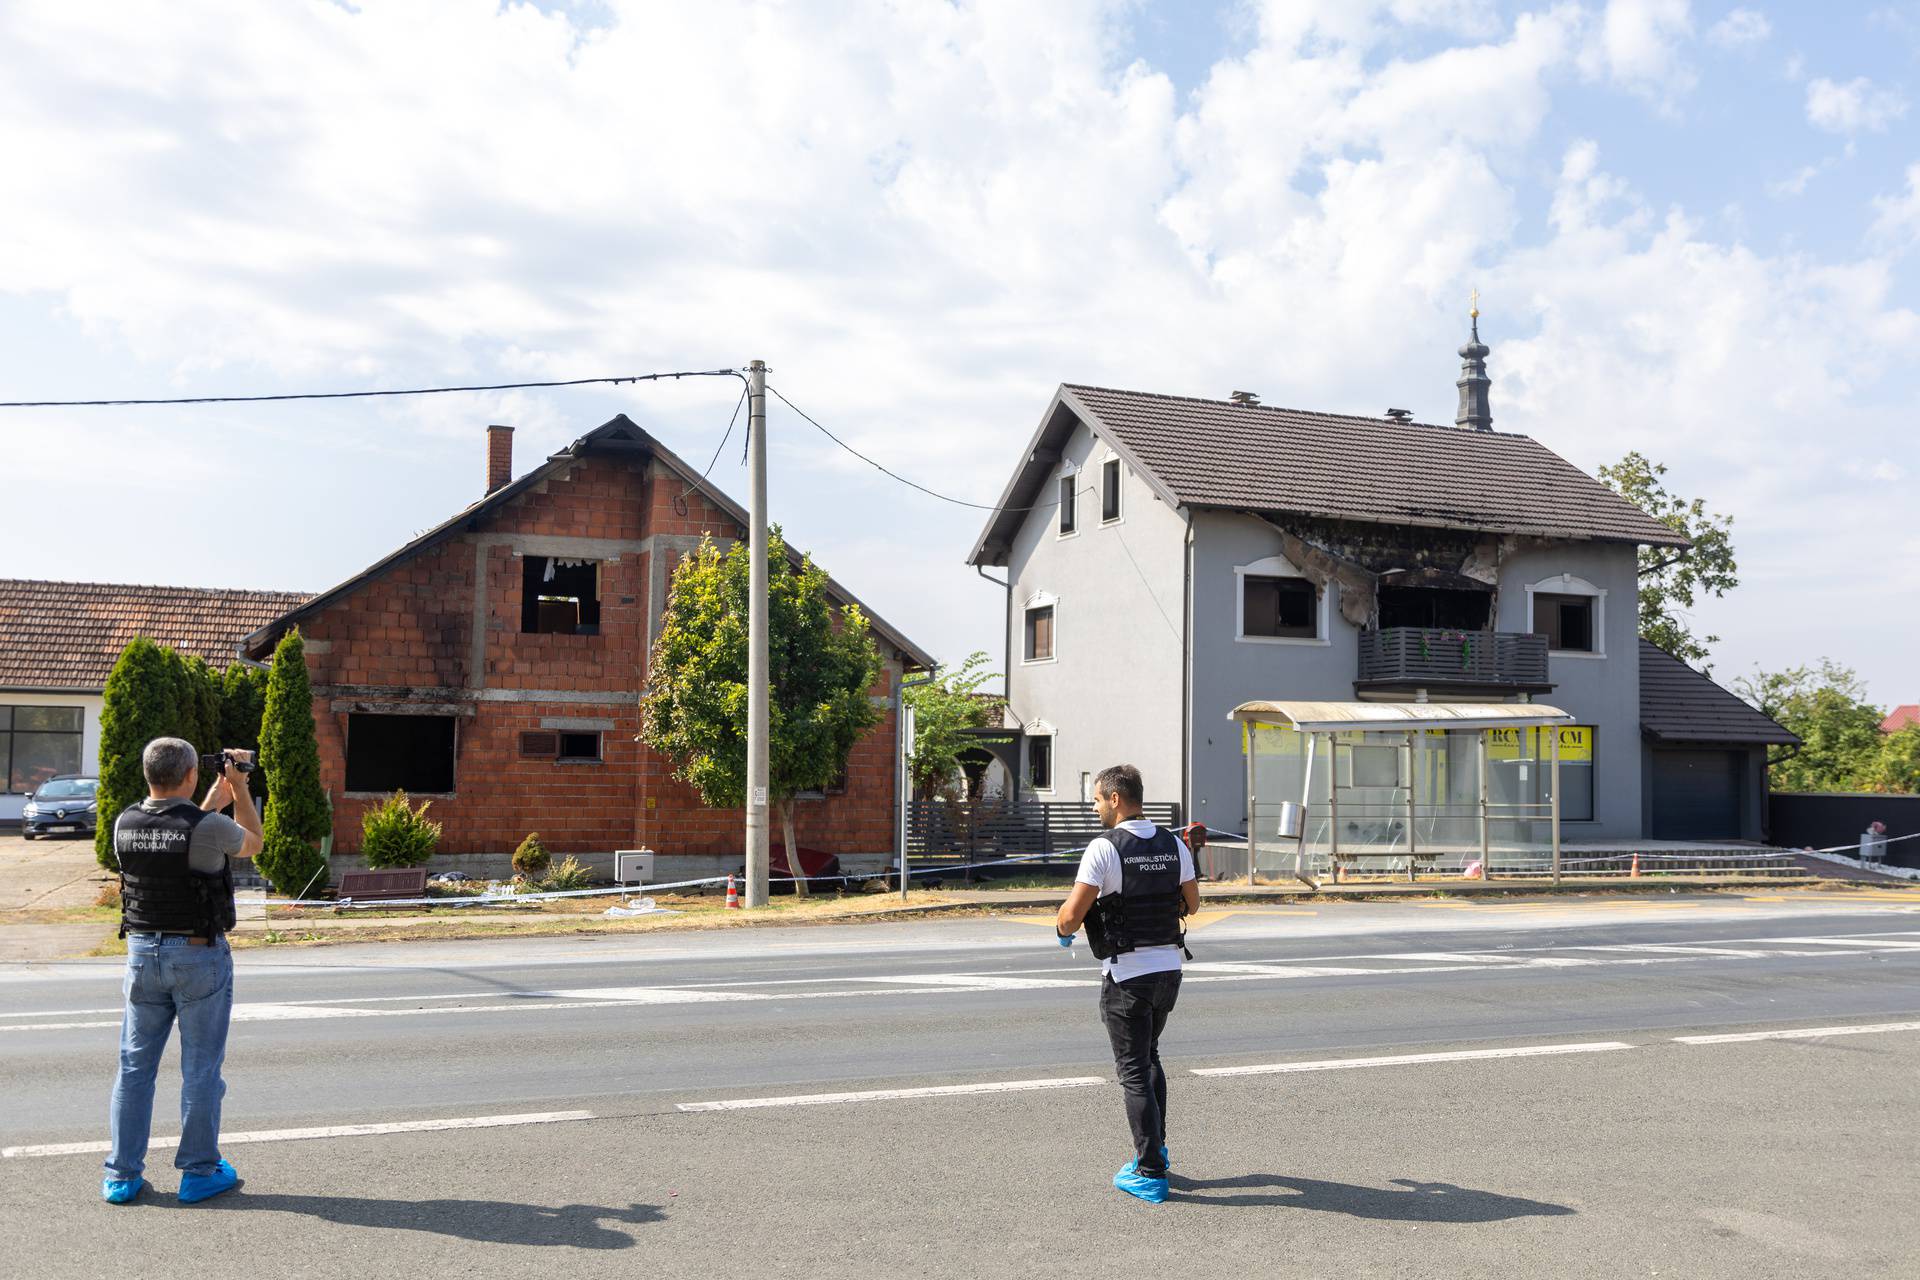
(940, 833)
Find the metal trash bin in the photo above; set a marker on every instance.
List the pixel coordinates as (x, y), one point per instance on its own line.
(1873, 845)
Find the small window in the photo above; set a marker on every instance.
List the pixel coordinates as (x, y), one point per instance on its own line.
(1566, 622)
(1040, 633)
(579, 746)
(1110, 489)
(1067, 504)
(559, 597)
(38, 743)
(1283, 607)
(400, 753)
(542, 745)
(1040, 763)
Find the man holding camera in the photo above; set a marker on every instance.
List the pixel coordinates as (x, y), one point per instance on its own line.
(1135, 886)
(176, 906)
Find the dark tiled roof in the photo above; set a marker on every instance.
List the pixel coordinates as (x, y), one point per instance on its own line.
(1217, 453)
(1678, 704)
(66, 635)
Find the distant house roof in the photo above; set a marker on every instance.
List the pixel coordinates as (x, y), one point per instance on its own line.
(65, 636)
(619, 435)
(1678, 704)
(1219, 454)
(1900, 717)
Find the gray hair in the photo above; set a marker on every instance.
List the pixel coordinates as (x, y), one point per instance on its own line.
(168, 762)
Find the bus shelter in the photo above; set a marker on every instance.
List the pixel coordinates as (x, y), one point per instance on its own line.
(1330, 784)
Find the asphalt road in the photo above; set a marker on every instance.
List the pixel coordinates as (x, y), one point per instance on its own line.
(1651, 1155)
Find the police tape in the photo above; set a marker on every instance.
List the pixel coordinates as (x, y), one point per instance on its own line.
(499, 899)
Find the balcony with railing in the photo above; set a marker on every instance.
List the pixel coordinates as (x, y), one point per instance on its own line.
(1439, 658)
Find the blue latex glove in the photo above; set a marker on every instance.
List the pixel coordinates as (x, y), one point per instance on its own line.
(1066, 940)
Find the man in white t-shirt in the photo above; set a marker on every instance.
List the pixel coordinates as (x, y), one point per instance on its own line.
(1134, 887)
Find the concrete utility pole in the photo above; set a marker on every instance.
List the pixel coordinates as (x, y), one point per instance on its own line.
(758, 733)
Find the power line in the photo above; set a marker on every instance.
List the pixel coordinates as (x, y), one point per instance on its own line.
(362, 395)
(911, 484)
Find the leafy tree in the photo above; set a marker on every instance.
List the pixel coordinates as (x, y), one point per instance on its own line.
(199, 695)
(1897, 768)
(243, 704)
(299, 815)
(141, 703)
(942, 709)
(1839, 730)
(822, 663)
(1670, 580)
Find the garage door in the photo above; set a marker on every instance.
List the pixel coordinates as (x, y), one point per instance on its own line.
(1696, 795)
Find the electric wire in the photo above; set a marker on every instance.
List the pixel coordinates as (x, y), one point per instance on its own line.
(912, 484)
(363, 395)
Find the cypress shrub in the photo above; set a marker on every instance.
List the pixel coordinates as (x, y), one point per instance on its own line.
(139, 706)
(395, 834)
(531, 859)
(299, 815)
(243, 701)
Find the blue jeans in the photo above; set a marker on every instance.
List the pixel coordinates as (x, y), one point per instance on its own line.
(169, 980)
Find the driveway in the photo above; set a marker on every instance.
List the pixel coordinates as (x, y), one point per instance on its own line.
(46, 875)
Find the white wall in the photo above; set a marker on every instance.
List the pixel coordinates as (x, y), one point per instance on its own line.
(90, 703)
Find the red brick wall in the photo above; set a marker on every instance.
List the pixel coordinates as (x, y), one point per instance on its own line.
(408, 632)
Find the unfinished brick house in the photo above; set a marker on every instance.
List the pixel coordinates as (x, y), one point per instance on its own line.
(496, 664)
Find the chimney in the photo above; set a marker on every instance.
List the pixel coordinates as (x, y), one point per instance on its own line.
(1246, 399)
(499, 457)
(1474, 410)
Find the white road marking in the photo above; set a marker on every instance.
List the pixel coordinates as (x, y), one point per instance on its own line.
(984, 981)
(890, 1095)
(1887, 942)
(324, 1131)
(1408, 1059)
(1802, 1033)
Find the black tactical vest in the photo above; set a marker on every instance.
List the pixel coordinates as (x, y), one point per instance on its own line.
(160, 892)
(1146, 912)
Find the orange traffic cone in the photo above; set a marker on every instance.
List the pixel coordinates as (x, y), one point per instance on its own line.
(1635, 873)
(733, 894)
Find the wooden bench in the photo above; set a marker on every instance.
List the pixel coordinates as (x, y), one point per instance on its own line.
(378, 886)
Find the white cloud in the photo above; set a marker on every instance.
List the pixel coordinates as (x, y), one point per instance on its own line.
(1897, 217)
(1854, 106)
(1639, 45)
(1740, 29)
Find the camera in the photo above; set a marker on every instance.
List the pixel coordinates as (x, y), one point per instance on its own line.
(219, 760)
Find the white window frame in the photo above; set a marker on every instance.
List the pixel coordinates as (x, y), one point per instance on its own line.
(1071, 473)
(1278, 567)
(1567, 584)
(1119, 490)
(1040, 600)
(1041, 729)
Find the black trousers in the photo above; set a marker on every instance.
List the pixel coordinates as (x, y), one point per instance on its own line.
(1135, 1012)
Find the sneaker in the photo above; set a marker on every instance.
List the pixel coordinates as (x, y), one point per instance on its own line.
(195, 1187)
(121, 1190)
(1152, 1190)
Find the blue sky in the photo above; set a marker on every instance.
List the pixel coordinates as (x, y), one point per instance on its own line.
(1693, 225)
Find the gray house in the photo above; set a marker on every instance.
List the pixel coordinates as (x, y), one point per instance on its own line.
(1168, 558)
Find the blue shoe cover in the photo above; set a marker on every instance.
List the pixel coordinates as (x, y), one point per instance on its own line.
(195, 1187)
(121, 1190)
(1133, 1166)
(1152, 1190)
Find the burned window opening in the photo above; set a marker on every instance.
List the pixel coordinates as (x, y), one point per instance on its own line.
(1279, 608)
(1448, 608)
(559, 596)
(1566, 622)
(400, 753)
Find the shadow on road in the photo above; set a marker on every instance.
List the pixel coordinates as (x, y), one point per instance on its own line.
(1415, 1202)
(487, 1221)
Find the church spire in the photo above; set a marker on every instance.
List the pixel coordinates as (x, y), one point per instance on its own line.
(1474, 410)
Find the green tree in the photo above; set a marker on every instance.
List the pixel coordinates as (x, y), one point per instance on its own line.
(1897, 767)
(299, 815)
(822, 662)
(141, 703)
(1670, 580)
(199, 698)
(243, 704)
(942, 709)
(1839, 730)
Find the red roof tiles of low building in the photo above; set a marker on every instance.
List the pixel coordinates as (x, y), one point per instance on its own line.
(1900, 717)
(67, 635)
